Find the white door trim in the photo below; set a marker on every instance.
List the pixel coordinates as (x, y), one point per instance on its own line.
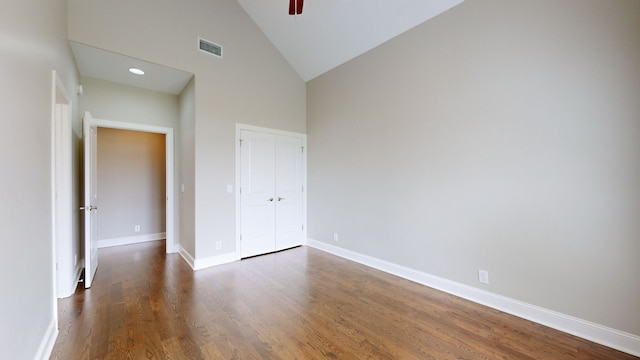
(239, 128)
(171, 243)
(61, 223)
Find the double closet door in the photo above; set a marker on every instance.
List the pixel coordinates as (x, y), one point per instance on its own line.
(271, 192)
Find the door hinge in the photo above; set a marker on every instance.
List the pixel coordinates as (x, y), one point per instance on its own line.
(302, 148)
(240, 142)
(302, 226)
(240, 237)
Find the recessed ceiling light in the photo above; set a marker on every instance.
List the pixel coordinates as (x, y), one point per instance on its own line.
(136, 71)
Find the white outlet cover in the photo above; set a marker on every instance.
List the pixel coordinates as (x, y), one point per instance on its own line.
(483, 276)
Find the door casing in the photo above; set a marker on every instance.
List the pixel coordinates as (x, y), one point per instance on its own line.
(171, 243)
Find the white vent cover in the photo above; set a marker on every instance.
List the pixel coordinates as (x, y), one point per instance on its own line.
(209, 47)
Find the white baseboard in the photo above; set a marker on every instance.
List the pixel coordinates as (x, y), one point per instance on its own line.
(172, 248)
(199, 264)
(215, 260)
(130, 240)
(188, 258)
(604, 335)
(48, 341)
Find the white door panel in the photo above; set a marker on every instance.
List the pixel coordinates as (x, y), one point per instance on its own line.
(288, 192)
(257, 194)
(90, 138)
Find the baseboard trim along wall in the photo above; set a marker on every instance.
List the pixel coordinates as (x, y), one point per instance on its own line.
(613, 338)
(186, 256)
(131, 240)
(48, 341)
(198, 264)
(215, 260)
(172, 248)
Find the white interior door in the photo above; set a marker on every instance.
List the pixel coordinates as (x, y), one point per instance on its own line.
(90, 138)
(289, 219)
(257, 193)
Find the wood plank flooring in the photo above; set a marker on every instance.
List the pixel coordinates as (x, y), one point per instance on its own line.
(297, 304)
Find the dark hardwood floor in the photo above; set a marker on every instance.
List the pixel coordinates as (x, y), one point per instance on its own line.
(297, 304)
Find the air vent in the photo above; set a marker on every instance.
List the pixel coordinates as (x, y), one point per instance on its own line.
(209, 47)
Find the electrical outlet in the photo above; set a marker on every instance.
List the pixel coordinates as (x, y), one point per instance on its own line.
(136, 228)
(335, 237)
(483, 276)
(218, 245)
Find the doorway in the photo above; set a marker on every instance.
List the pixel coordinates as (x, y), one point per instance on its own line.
(91, 177)
(132, 201)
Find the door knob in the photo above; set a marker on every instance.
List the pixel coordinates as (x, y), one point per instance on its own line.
(280, 198)
(270, 199)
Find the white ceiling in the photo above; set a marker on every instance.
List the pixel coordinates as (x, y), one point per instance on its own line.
(105, 65)
(331, 32)
(327, 33)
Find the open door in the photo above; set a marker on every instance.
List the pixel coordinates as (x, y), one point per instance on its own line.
(90, 138)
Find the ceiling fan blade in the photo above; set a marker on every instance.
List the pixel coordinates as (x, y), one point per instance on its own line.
(299, 7)
(295, 7)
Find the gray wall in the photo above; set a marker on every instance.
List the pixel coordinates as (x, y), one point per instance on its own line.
(186, 168)
(501, 135)
(131, 183)
(110, 101)
(32, 44)
(251, 84)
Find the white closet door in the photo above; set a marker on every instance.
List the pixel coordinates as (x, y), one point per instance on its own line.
(257, 184)
(288, 182)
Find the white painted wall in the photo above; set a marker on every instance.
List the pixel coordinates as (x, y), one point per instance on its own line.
(131, 191)
(251, 84)
(32, 44)
(502, 136)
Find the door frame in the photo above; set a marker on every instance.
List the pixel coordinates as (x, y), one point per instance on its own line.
(61, 183)
(171, 244)
(239, 128)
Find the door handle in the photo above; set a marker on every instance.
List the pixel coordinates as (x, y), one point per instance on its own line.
(270, 199)
(91, 207)
(280, 198)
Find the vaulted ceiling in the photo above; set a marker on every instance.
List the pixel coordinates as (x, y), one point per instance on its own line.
(327, 33)
(331, 32)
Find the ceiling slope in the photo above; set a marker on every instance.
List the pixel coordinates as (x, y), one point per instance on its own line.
(331, 32)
